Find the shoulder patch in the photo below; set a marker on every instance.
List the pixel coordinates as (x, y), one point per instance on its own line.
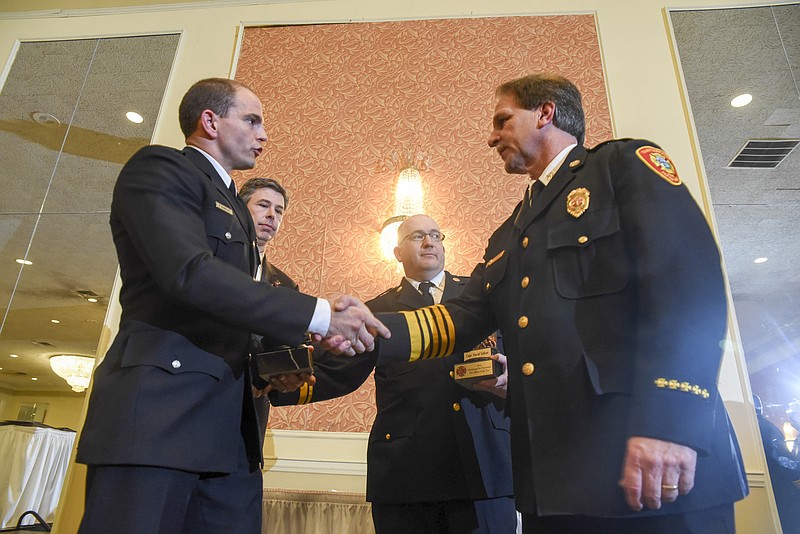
(657, 161)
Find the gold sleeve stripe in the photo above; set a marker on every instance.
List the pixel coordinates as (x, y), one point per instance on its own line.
(447, 331)
(431, 331)
(306, 391)
(415, 335)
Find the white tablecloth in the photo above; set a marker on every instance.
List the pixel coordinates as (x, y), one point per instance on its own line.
(33, 463)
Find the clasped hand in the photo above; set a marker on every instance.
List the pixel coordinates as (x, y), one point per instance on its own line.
(353, 328)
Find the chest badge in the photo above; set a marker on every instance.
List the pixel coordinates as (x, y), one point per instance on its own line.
(578, 201)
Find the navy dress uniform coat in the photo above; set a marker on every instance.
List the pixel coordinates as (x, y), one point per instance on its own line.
(432, 439)
(173, 390)
(277, 278)
(609, 295)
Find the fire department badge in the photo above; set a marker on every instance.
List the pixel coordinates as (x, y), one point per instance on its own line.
(461, 371)
(658, 162)
(577, 201)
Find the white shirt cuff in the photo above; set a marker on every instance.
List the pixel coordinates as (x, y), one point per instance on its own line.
(321, 321)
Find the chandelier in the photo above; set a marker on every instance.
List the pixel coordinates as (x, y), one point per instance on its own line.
(408, 194)
(76, 370)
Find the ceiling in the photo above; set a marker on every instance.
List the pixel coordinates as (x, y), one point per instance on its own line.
(725, 53)
(57, 175)
(55, 203)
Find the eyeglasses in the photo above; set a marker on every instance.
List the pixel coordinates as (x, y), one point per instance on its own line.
(436, 237)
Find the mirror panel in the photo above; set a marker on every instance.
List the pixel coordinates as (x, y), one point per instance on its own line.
(58, 175)
(725, 53)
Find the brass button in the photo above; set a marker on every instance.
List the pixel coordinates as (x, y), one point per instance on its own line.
(525, 282)
(527, 369)
(574, 163)
(456, 406)
(488, 286)
(388, 436)
(524, 242)
(522, 322)
(583, 239)
(452, 375)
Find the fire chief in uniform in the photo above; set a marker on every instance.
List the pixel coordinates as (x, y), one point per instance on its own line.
(439, 455)
(607, 287)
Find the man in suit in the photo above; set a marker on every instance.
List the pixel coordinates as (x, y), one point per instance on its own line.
(439, 456)
(170, 438)
(606, 285)
(266, 200)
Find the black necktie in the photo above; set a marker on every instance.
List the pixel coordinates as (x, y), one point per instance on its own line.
(232, 188)
(533, 189)
(425, 289)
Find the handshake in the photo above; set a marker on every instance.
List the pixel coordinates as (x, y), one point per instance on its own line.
(353, 329)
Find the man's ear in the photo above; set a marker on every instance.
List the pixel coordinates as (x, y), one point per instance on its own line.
(548, 113)
(397, 254)
(208, 123)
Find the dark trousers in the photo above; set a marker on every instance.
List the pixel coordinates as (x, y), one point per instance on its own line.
(486, 516)
(155, 500)
(718, 520)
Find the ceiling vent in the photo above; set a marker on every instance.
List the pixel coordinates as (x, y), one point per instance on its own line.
(763, 153)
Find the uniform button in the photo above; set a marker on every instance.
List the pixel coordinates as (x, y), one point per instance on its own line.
(527, 369)
(456, 406)
(227, 235)
(525, 282)
(176, 364)
(583, 239)
(524, 242)
(522, 322)
(452, 375)
(488, 286)
(574, 163)
(388, 436)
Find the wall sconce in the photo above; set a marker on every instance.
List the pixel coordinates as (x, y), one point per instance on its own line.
(76, 370)
(407, 196)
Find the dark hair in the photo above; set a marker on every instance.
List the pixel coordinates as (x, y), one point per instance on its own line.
(253, 184)
(534, 90)
(216, 94)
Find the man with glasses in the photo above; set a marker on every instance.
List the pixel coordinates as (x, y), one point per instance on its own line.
(439, 458)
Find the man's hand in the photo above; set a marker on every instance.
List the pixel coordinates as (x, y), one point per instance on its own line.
(656, 471)
(353, 328)
(285, 383)
(497, 385)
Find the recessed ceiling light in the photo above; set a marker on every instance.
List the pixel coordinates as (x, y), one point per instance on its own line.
(34, 378)
(134, 117)
(23, 262)
(742, 100)
(55, 321)
(14, 355)
(760, 260)
(45, 119)
(92, 300)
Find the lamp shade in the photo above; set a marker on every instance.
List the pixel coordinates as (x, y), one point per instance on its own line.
(75, 369)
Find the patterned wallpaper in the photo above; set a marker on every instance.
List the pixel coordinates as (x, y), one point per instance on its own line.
(341, 98)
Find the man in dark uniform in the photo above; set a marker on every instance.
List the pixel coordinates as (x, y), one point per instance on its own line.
(439, 457)
(170, 438)
(266, 200)
(606, 285)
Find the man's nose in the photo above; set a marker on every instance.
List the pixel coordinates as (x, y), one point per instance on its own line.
(493, 139)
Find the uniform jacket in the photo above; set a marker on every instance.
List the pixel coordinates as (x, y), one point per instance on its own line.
(171, 388)
(275, 277)
(612, 318)
(432, 439)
